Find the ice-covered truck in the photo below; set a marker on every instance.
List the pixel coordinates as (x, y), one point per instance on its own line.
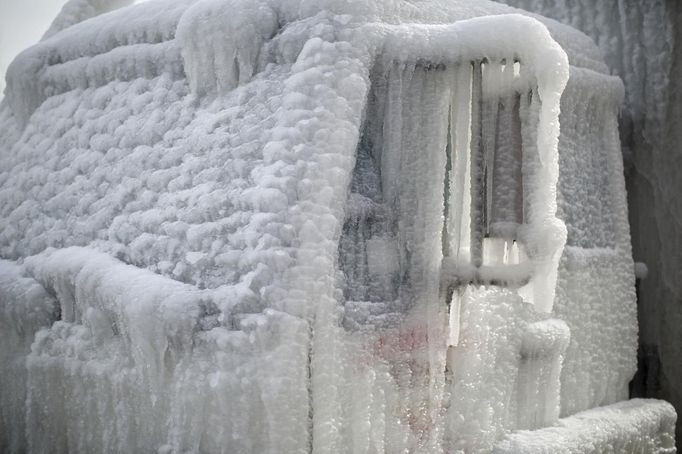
(289, 226)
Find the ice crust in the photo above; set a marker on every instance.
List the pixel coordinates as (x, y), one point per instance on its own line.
(242, 226)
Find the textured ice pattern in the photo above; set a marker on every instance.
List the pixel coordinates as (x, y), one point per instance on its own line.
(312, 226)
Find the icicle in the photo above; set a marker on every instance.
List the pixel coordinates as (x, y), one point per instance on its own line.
(491, 86)
(454, 318)
(459, 222)
(392, 141)
(219, 65)
(507, 206)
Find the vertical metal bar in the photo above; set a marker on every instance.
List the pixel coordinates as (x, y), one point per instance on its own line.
(478, 177)
(517, 149)
(446, 186)
(529, 115)
(490, 107)
(459, 213)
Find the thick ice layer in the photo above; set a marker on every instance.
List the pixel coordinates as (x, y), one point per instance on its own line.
(25, 308)
(597, 273)
(93, 53)
(485, 402)
(248, 389)
(140, 361)
(637, 425)
(254, 303)
(75, 11)
(642, 44)
(216, 66)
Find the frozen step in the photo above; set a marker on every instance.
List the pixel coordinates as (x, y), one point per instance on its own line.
(542, 348)
(637, 425)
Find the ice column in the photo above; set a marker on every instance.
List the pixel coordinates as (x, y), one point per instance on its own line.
(413, 162)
